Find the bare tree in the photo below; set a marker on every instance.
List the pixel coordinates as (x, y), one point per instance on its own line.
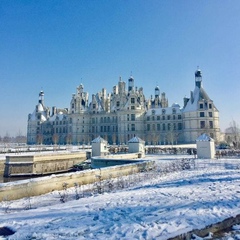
(235, 134)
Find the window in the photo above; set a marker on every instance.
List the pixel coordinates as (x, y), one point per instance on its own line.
(202, 124)
(163, 117)
(163, 127)
(210, 124)
(133, 127)
(118, 104)
(94, 106)
(169, 126)
(174, 117)
(179, 116)
(158, 117)
(210, 114)
(132, 117)
(153, 118)
(163, 111)
(132, 107)
(168, 117)
(153, 127)
(153, 112)
(210, 106)
(179, 126)
(174, 111)
(158, 127)
(128, 117)
(72, 105)
(148, 118)
(148, 127)
(132, 100)
(201, 114)
(201, 105)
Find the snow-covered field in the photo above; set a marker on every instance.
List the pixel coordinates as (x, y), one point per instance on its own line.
(153, 205)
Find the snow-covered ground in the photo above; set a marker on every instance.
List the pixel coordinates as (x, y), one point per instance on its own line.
(154, 205)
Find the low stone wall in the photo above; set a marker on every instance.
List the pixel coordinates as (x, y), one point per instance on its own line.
(213, 228)
(42, 185)
(41, 164)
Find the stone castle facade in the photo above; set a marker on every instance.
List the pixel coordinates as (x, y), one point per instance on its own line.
(123, 114)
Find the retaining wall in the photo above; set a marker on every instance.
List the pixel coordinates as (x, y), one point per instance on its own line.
(2, 162)
(41, 164)
(42, 185)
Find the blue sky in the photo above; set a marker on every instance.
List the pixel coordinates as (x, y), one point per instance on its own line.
(56, 45)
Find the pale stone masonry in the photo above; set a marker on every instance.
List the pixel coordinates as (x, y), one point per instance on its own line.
(124, 113)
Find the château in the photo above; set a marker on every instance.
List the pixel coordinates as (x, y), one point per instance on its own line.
(123, 114)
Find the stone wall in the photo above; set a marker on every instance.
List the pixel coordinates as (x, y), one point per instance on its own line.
(42, 185)
(41, 164)
(2, 164)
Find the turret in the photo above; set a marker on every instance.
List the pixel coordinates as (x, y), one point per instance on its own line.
(130, 84)
(198, 78)
(157, 91)
(41, 97)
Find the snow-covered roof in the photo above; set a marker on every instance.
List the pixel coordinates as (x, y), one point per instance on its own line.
(60, 116)
(39, 109)
(168, 110)
(198, 95)
(205, 138)
(99, 140)
(136, 140)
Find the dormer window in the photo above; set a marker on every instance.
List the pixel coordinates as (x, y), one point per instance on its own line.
(163, 111)
(94, 106)
(153, 112)
(201, 105)
(174, 111)
(132, 100)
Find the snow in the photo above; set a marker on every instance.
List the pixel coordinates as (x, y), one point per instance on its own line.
(153, 205)
(136, 140)
(168, 110)
(99, 140)
(204, 137)
(193, 105)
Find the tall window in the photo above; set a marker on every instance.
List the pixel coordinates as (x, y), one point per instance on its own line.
(133, 100)
(201, 114)
(202, 124)
(132, 117)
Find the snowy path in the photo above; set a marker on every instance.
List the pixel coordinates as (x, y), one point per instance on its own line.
(159, 208)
